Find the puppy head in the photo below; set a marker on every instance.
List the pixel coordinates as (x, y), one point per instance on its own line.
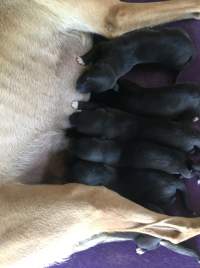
(97, 79)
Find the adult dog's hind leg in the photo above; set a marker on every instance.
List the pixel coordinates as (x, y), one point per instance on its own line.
(44, 224)
(113, 17)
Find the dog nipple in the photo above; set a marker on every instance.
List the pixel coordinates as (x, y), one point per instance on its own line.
(80, 60)
(75, 105)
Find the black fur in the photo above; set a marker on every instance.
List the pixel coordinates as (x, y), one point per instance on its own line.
(171, 48)
(136, 154)
(171, 101)
(139, 185)
(146, 187)
(115, 124)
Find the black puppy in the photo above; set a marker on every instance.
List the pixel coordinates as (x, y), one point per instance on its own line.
(137, 154)
(173, 101)
(139, 185)
(145, 187)
(112, 59)
(115, 124)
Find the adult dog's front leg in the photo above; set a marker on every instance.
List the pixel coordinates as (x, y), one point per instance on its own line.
(112, 17)
(44, 224)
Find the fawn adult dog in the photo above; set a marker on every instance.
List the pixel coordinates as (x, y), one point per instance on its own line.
(40, 40)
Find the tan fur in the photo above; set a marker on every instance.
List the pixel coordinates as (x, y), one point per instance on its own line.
(40, 40)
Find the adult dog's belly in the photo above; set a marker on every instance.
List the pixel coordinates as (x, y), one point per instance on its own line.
(36, 91)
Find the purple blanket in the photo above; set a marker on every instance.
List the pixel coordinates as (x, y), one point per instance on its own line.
(122, 255)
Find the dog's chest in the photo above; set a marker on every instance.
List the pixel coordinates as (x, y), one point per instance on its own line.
(38, 107)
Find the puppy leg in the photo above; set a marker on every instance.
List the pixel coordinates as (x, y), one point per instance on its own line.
(112, 17)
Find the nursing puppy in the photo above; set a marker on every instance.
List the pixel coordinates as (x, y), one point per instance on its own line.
(40, 41)
(122, 126)
(106, 160)
(136, 154)
(153, 189)
(175, 100)
(139, 185)
(112, 59)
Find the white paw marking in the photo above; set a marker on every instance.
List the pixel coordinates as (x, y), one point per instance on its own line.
(140, 251)
(80, 60)
(198, 182)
